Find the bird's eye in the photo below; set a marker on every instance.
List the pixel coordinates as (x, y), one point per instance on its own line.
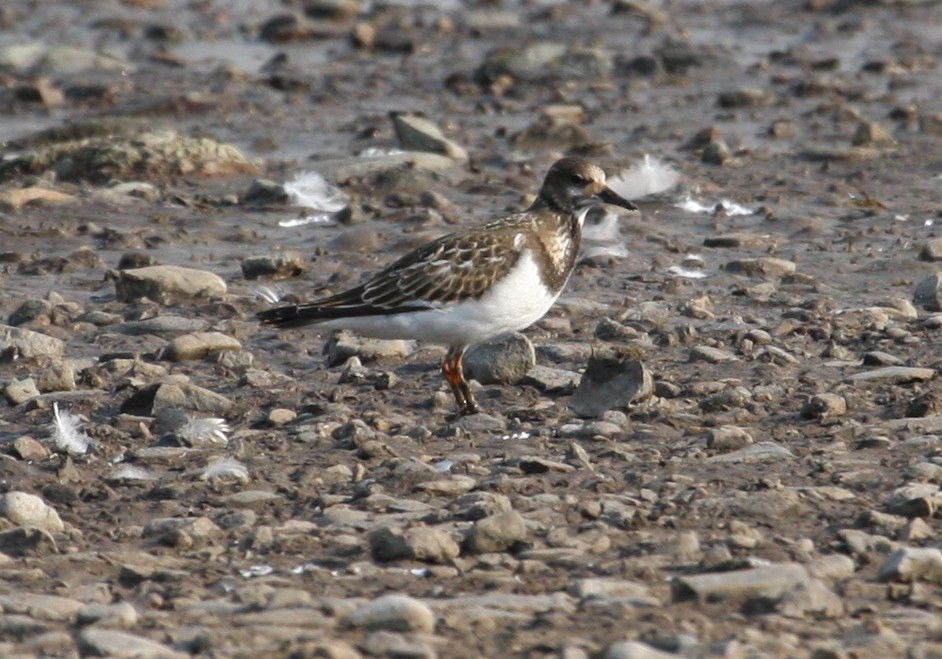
(579, 179)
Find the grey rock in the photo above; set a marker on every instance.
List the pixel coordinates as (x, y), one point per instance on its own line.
(37, 58)
(551, 380)
(162, 326)
(833, 567)
(421, 543)
(894, 375)
(478, 505)
(612, 380)
(711, 355)
(26, 509)
(824, 406)
(880, 358)
(390, 165)
(198, 345)
(728, 438)
(928, 293)
(28, 344)
(544, 60)
(58, 376)
(119, 614)
(391, 644)
(771, 581)
(164, 283)
(20, 391)
(176, 395)
(762, 267)
(498, 532)
(913, 564)
(398, 613)
(914, 500)
(811, 598)
(761, 452)
(597, 587)
(505, 360)
(42, 607)
(346, 344)
(30, 310)
(419, 134)
(96, 642)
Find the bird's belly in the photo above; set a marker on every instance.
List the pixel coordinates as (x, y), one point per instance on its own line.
(513, 303)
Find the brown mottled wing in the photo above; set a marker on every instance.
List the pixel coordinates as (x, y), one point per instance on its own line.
(456, 267)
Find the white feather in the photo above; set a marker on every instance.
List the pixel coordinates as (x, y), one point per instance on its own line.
(270, 294)
(226, 468)
(650, 176)
(311, 190)
(201, 432)
(67, 432)
(131, 473)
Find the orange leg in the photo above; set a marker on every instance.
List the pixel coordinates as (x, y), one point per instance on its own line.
(454, 373)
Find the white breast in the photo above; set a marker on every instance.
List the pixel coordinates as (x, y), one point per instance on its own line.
(513, 303)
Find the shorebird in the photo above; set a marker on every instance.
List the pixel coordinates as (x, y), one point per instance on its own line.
(472, 285)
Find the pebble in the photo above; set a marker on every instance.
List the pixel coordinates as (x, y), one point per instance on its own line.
(771, 581)
(29, 344)
(912, 564)
(824, 406)
(345, 345)
(728, 438)
(928, 293)
(421, 543)
(165, 283)
(198, 345)
(612, 379)
(20, 391)
(762, 267)
(931, 250)
(894, 375)
(96, 642)
(497, 533)
(160, 396)
(760, 452)
(552, 380)
(506, 360)
(162, 326)
(25, 509)
(635, 650)
(27, 448)
(417, 133)
(397, 613)
(277, 266)
(711, 355)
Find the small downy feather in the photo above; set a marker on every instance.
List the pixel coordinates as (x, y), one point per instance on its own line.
(226, 469)
(270, 294)
(67, 432)
(650, 176)
(210, 431)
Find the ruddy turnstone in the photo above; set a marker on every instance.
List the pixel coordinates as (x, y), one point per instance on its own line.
(472, 285)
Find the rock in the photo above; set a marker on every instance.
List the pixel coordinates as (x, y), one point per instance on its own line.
(58, 376)
(421, 543)
(870, 133)
(931, 250)
(397, 613)
(119, 614)
(391, 644)
(198, 345)
(496, 533)
(612, 379)
(280, 416)
(597, 587)
(711, 355)
(37, 58)
(180, 395)
(894, 375)
(417, 133)
(771, 582)
(277, 266)
(28, 344)
(728, 438)
(762, 267)
(551, 380)
(346, 344)
(26, 509)
(811, 598)
(833, 567)
(761, 452)
(162, 326)
(505, 360)
(635, 650)
(41, 607)
(824, 406)
(391, 166)
(165, 283)
(20, 391)
(153, 155)
(909, 564)
(96, 642)
(27, 448)
(746, 97)
(544, 60)
(17, 198)
(740, 240)
(928, 294)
